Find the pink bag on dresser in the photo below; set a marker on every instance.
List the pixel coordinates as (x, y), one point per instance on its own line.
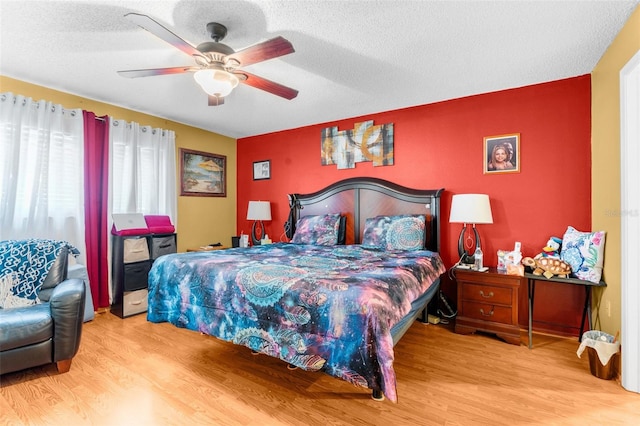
(127, 232)
(129, 224)
(159, 224)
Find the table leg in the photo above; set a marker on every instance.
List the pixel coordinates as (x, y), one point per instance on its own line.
(589, 313)
(532, 289)
(585, 311)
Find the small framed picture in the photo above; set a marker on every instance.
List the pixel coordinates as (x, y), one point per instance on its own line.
(262, 170)
(502, 154)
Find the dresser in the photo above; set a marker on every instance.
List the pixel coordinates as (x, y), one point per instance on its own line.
(132, 258)
(488, 301)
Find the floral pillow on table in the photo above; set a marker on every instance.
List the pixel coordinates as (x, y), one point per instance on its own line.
(584, 251)
(320, 230)
(400, 232)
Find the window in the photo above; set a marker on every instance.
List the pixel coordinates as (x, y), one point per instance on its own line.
(143, 170)
(41, 171)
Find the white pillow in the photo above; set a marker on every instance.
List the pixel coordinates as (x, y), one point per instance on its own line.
(584, 251)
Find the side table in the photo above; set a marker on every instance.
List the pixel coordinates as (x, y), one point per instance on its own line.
(488, 301)
(586, 311)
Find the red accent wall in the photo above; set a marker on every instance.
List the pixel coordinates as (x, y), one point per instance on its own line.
(441, 145)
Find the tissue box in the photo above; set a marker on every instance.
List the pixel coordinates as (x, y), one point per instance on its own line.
(159, 224)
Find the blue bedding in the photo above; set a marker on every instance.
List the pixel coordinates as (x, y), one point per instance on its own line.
(319, 308)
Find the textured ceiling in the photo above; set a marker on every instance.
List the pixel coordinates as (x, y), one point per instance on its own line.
(352, 58)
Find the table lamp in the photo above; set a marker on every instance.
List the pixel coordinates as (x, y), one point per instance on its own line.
(258, 211)
(469, 209)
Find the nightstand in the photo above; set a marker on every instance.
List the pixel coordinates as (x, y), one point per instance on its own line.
(488, 301)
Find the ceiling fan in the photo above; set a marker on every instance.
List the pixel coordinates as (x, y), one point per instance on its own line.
(217, 65)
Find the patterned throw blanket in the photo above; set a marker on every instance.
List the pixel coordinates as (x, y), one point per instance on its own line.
(27, 263)
(319, 308)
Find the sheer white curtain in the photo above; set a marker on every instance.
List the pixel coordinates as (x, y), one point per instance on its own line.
(142, 170)
(41, 171)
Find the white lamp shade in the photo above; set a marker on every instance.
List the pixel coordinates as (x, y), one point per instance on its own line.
(216, 82)
(259, 210)
(470, 208)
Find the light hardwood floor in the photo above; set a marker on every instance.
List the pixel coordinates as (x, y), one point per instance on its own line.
(131, 372)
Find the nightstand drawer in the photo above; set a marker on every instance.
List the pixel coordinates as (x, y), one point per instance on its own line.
(487, 294)
(487, 312)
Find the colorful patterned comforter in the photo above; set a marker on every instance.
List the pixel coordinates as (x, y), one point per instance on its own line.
(316, 307)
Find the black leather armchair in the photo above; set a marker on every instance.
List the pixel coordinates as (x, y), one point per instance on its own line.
(48, 332)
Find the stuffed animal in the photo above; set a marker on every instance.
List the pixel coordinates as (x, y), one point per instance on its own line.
(548, 266)
(552, 249)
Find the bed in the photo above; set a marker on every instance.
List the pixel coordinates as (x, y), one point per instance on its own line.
(336, 299)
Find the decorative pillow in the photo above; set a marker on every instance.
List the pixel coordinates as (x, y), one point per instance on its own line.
(402, 232)
(321, 230)
(584, 251)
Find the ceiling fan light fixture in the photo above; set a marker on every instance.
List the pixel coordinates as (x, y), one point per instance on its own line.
(217, 65)
(216, 82)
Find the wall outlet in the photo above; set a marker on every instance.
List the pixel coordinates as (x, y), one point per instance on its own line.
(609, 308)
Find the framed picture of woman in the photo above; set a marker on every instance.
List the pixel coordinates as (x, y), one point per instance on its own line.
(502, 154)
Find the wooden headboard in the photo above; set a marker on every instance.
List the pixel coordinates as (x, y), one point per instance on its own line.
(360, 198)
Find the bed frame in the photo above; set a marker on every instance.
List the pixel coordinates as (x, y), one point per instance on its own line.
(360, 198)
(357, 199)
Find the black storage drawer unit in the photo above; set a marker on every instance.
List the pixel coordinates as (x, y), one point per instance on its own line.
(132, 259)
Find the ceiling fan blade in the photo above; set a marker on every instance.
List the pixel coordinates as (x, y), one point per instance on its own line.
(269, 49)
(215, 100)
(156, 71)
(160, 31)
(267, 85)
